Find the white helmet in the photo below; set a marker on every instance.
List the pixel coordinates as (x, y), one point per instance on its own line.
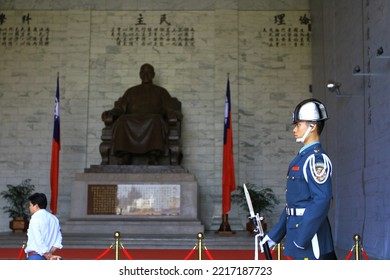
(310, 110)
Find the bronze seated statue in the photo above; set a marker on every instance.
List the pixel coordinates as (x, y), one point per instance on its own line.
(144, 127)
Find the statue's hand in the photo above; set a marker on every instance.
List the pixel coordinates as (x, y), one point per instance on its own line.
(107, 117)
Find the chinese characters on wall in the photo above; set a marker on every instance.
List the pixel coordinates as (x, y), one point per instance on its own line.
(23, 34)
(282, 32)
(288, 33)
(156, 35)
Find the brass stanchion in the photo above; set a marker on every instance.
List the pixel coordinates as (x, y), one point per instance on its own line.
(117, 236)
(359, 251)
(356, 237)
(200, 245)
(279, 247)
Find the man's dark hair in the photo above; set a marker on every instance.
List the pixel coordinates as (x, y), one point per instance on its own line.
(38, 198)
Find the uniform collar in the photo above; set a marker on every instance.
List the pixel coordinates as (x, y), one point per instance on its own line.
(304, 148)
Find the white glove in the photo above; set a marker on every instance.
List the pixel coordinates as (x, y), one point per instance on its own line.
(268, 240)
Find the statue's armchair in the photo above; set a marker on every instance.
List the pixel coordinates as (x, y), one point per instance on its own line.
(172, 156)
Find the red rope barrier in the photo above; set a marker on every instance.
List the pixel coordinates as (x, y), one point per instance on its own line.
(272, 251)
(126, 253)
(364, 254)
(104, 253)
(190, 253)
(349, 255)
(208, 253)
(21, 252)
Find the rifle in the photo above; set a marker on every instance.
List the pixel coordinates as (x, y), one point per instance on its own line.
(258, 228)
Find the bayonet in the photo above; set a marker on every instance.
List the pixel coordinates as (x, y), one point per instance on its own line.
(258, 228)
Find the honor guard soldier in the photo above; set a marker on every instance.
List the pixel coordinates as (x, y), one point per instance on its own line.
(304, 223)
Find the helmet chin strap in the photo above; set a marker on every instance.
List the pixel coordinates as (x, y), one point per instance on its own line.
(303, 138)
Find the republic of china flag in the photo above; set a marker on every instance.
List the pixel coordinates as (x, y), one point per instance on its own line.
(55, 152)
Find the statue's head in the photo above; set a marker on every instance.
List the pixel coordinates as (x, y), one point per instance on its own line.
(146, 73)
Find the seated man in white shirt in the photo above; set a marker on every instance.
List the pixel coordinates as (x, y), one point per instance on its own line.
(44, 232)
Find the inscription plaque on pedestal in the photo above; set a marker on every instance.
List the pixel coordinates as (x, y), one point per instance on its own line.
(102, 199)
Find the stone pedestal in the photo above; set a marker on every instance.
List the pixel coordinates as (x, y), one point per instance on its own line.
(169, 204)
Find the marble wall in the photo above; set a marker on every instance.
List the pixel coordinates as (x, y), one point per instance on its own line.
(358, 131)
(264, 49)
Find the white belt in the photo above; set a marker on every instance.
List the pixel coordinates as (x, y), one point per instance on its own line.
(295, 211)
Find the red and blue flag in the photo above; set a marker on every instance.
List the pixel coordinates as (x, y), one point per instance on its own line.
(55, 152)
(228, 177)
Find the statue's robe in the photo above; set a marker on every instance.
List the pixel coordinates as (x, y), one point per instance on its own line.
(142, 125)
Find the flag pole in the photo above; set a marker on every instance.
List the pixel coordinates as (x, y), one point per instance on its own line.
(224, 227)
(228, 177)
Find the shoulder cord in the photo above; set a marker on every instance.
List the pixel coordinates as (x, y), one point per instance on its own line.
(327, 170)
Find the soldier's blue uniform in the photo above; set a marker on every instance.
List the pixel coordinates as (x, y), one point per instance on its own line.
(308, 197)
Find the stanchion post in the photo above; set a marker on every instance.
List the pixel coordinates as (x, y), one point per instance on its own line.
(117, 236)
(356, 237)
(200, 245)
(279, 247)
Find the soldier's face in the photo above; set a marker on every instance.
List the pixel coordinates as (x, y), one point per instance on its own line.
(300, 129)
